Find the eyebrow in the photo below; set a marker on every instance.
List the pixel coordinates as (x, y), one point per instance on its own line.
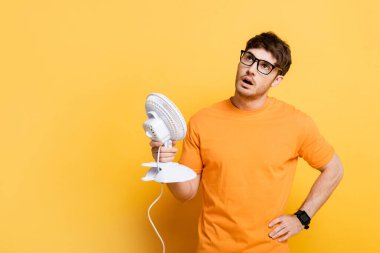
(261, 59)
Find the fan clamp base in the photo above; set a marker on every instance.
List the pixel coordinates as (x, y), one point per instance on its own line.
(169, 172)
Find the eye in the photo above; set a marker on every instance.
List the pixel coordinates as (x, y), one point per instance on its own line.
(248, 57)
(265, 65)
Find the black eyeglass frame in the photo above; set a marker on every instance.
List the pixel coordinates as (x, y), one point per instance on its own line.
(242, 52)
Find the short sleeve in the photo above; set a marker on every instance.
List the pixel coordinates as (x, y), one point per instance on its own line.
(191, 155)
(314, 149)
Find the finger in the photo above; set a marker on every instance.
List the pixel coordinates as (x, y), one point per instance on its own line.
(280, 233)
(166, 160)
(276, 231)
(275, 221)
(155, 144)
(166, 155)
(165, 150)
(163, 156)
(159, 144)
(284, 238)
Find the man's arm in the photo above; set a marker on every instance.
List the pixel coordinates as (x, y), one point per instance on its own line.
(323, 187)
(182, 191)
(185, 191)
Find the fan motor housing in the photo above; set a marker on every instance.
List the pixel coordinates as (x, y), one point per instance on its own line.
(156, 130)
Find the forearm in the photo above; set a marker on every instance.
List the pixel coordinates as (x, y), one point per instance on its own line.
(323, 187)
(185, 191)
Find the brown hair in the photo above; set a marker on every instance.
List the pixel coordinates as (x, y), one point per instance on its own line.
(279, 49)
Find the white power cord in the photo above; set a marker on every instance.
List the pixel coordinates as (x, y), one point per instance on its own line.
(154, 202)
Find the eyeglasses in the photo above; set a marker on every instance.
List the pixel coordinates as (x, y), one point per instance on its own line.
(264, 67)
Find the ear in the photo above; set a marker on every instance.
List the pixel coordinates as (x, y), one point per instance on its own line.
(277, 80)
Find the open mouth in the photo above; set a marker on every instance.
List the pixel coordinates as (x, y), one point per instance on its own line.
(247, 81)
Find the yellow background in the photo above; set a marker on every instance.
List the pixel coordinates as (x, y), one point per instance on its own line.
(74, 76)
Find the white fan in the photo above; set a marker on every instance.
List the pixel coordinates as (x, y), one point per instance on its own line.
(165, 123)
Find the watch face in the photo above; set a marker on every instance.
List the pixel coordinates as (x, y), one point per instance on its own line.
(304, 217)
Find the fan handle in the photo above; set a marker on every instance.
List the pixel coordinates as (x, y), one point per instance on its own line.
(168, 144)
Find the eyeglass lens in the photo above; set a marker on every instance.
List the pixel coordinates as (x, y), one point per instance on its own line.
(262, 66)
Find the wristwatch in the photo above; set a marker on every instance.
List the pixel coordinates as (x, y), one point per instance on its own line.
(304, 218)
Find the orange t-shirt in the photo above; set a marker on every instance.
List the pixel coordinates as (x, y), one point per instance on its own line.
(248, 161)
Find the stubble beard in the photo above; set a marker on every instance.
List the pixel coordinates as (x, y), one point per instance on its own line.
(260, 92)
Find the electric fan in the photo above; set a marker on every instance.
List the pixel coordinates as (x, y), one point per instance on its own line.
(165, 123)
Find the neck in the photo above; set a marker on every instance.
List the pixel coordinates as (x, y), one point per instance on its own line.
(248, 103)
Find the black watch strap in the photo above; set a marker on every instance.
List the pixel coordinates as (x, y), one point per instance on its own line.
(304, 218)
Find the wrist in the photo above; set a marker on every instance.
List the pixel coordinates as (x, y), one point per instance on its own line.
(303, 217)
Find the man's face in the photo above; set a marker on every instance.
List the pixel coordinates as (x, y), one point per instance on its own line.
(250, 83)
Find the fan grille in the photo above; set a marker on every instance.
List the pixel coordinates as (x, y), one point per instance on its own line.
(169, 113)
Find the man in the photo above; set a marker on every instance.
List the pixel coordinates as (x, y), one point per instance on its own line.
(244, 151)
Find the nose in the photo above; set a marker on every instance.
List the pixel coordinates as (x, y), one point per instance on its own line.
(252, 69)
